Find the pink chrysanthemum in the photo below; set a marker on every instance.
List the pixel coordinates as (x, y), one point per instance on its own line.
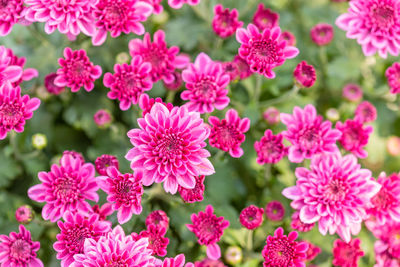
(27, 73)
(105, 161)
(176, 83)
(270, 148)
(251, 217)
(265, 18)
(209, 263)
(169, 147)
(383, 258)
(51, 87)
(157, 241)
(242, 67)
(24, 214)
(312, 251)
(77, 71)
(163, 60)
(289, 38)
(225, 21)
(18, 249)
(157, 218)
(352, 92)
(282, 250)
(275, 211)
(66, 188)
(347, 254)
(104, 211)
(393, 76)
(304, 74)
(74, 155)
(230, 68)
(264, 51)
(124, 191)
(179, 3)
(308, 133)
(15, 109)
(388, 235)
(102, 118)
(271, 115)
(354, 137)
(73, 232)
(195, 194)
(322, 34)
(10, 13)
(156, 4)
(335, 192)
(205, 85)
(9, 73)
(178, 261)
(146, 103)
(365, 112)
(298, 225)
(228, 134)
(375, 24)
(208, 229)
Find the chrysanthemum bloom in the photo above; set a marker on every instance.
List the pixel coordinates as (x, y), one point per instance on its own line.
(74, 154)
(209, 263)
(195, 194)
(158, 218)
(179, 3)
(208, 229)
(10, 12)
(66, 188)
(242, 67)
(51, 87)
(115, 249)
(124, 191)
(393, 146)
(352, 92)
(298, 225)
(225, 21)
(169, 147)
(178, 261)
(24, 214)
(156, 4)
(393, 76)
(347, 254)
(265, 18)
(264, 51)
(312, 251)
(271, 115)
(354, 137)
(228, 134)
(176, 83)
(230, 68)
(322, 34)
(157, 241)
(15, 109)
(383, 257)
(146, 103)
(18, 249)
(375, 24)
(205, 85)
(304, 74)
(365, 112)
(104, 211)
(9, 73)
(73, 232)
(308, 133)
(102, 118)
(388, 243)
(275, 211)
(105, 161)
(289, 38)
(270, 148)
(251, 217)
(163, 60)
(282, 250)
(76, 71)
(27, 73)
(335, 192)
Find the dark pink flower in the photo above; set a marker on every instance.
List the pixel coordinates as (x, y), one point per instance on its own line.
(157, 241)
(393, 76)
(225, 21)
(275, 211)
(251, 217)
(24, 214)
(270, 148)
(271, 115)
(74, 155)
(102, 118)
(157, 218)
(176, 83)
(304, 74)
(265, 18)
(365, 112)
(289, 38)
(322, 34)
(298, 225)
(231, 68)
(208, 229)
(347, 254)
(51, 87)
(179, 3)
(242, 67)
(264, 51)
(352, 92)
(354, 137)
(312, 251)
(10, 13)
(146, 103)
(195, 194)
(104, 211)
(105, 161)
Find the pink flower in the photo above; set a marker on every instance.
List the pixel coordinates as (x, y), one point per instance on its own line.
(195, 194)
(264, 51)
(275, 211)
(124, 191)
(156, 4)
(312, 251)
(77, 71)
(225, 22)
(15, 109)
(354, 137)
(251, 217)
(179, 3)
(146, 103)
(104, 211)
(230, 68)
(289, 38)
(347, 254)
(228, 134)
(242, 67)
(209, 263)
(335, 192)
(169, 148)
(393, 76)
(157, 241)
(298, 225)
(105, 161)
(102, 118)
(304, 74)
(322, 34)
(176, 83)
(18, 249)
(66, 188)
(208, 229)
(205, 85)
(282, 250)
(163, 60)
(271, 115)
(24, 214)
(264, 18)
(51, 87)
(10, 12)
(270, 148)
(158, 218)
(74, 155)
(352, 92)
(73, 232)
(27, 73)
(375, 24)
(308, 133)
(365, 112)
(178, 261)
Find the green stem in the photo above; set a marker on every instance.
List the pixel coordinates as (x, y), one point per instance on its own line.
(257, 89)
(217, 45)
(285, 97)
(14, 145)
(170, 96)
(249, 244)
(267, 171)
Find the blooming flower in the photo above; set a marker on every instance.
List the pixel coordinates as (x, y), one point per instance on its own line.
(51, 87)
(176, 83)
(18, 249)
(105, 161)
(312, 251)
(10, 12)
(347, 254)
(352, 92)
(334, 192)
(104, 211)
(270, 148)
(208, 229)
(251, 217)
(298, 225)
(195, 194)
(102, 118)
(275, 211)
(264, 51)
(304, 74)
(205, 85)
(365, 112)
(24, 214)
(27, 73)
(66, 188)
(179, 3)
(74, 154)
(146, 103)
(157, 241)
(209, 263)
(265, 18)
(322, 34)
(156, 4)
(354, 137)
(289, 38)
(308, 133)
(169, 147)
(157, 218)
(230, 68)
(225, 21)
(178, 261)
(271, 115)
(242, 67)
(393, 76)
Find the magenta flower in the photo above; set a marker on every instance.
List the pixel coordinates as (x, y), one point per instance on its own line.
(74, 155)
(104, 211)
(124, 191)
(304, 74)
(271, 115)
(347, 254)
(205, 85)
(18, 249)
(179, 3)
(335, 192)
(208, 229)
(282, 250)
(169, 147)
(275, 211)
(15, 109)
(10, 13)
(225, 21)
(242, 67)
(312, 251)
(352, 92)
(195, 194)
(208, 263)
(228, 134)
(9, 73)
(176, 83)
(264, 51)
(163, 60)
(354, 137)
(230, 68)
(51, 87)
(73, 232)
(76, 71)
(298, 225)
(251, 217)
(105, 161)
(146, 103)
(289, 38)
(27, 73)
(66, 188)
(393, 76)
(157, 218)
(270, 148)
(102, 118)
(24, 214)
(387, 247)
(157, 241)
(308, 133)
(365, 112)
(156, 4)
(178, 261)
(322, 34)
(264, 18)
(375, 24)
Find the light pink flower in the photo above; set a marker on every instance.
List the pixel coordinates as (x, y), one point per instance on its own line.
(105, 161)
(157, 218)
(322, 34)
(352, 92)
(271, 115)
(24, 214)
(51, 87)
(66, 188)
(304, 74)
(298, 225)
(209, 263)
(27, 73)
(102, 118)
(178, 261)
(157, 241)
(393, 77)
(242, 67)
(275, 211)
(225, 21)
(9, 73)
(10, 13)
(265, 18)
(347, 254)
(251, 217)
(195, 194)
(354, 137)
(365, 112)
(179, 3)
(270, 148)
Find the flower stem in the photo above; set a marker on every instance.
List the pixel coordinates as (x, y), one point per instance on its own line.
(257, 89)
(249, 244)
(285, 97)
(170, 96)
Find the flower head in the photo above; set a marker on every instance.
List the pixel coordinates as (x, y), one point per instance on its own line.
(225, 21)
(156, 4)
(352, 92)
(347, 254)
(158, 218)
(365, 112)
(231, 68)
(322, 34)
(176, 83)
(275, 211)
(24, 214)
(354, 137)
(271, 115)
(157, 241)
(146, 103)
(179, 3)
(298, 225)
(270, 148)
(265, 18)
(304, 74)
(105, 161)
(102, 118)
(10, 12)
(393, 76)
(289, 38)
(178, 261)
(104, 211)
(196, 194)
(51, 87)
(312, 251)
(74, 155)
(251, 217)
(242, 67)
